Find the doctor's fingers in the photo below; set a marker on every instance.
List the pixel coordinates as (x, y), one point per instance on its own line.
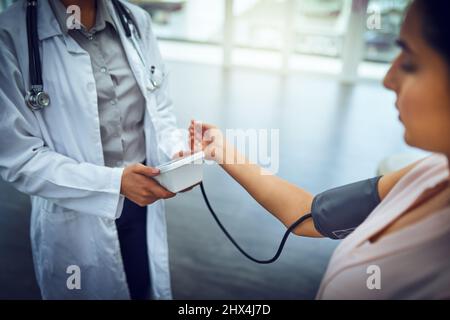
(151, 188)
(145, 170)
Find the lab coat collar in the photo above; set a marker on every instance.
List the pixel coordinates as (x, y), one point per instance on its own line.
(102, 16)
(47, 25)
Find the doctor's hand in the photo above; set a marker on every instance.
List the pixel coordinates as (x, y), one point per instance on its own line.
(209, 139)
(139, 186)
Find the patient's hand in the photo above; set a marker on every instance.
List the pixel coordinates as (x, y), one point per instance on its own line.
(207, 138)
(181, 154)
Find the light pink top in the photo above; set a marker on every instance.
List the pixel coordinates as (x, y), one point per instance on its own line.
(412, 263)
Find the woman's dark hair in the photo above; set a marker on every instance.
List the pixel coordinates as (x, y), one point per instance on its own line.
(436, 20)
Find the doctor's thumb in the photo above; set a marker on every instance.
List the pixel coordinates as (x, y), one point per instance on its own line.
(145, 170)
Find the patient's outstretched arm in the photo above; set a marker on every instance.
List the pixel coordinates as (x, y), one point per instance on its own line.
(284, 200)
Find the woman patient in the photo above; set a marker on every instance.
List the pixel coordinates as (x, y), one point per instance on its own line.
(405, 236)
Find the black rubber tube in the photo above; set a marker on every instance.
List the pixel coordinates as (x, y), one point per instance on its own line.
(281, 246)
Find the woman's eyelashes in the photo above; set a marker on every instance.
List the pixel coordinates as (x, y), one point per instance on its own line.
(408, 67)
(407, 64)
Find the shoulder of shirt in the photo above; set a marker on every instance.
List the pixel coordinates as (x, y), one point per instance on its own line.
(423, 167)
(9, 17)
(9, 28)
(430, 162)
(428, 167)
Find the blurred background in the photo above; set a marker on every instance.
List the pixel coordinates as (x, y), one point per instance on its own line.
(311, 69)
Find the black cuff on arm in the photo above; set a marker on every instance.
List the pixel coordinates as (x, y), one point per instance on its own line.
(337, 212)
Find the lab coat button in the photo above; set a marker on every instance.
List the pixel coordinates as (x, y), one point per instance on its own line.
(103, 69)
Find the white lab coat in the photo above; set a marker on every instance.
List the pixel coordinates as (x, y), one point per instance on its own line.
(55, 155)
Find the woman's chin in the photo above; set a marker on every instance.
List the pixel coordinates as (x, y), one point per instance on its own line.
(407, 139)
(415, 143)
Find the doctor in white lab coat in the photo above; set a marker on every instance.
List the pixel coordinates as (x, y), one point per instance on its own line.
(55, 155)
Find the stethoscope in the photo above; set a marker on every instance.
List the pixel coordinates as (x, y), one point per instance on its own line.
(36, 98)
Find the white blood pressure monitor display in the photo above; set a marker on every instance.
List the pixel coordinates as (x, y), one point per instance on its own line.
(182, 173)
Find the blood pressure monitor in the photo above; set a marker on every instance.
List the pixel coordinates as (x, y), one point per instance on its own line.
(180, 174)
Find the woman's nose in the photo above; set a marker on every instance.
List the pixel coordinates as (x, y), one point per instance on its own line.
(387, 81)
(390, 79)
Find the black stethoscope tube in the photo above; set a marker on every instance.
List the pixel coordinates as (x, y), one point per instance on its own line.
(33, 45)
(224, 230)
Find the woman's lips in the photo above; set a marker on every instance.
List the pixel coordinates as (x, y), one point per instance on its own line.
(398, 109)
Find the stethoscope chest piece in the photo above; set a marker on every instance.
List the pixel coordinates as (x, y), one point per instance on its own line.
(37, 99)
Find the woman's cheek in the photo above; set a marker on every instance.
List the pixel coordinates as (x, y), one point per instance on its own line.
(412, 109)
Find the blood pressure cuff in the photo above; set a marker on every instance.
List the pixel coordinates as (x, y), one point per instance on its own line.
(337, 212)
